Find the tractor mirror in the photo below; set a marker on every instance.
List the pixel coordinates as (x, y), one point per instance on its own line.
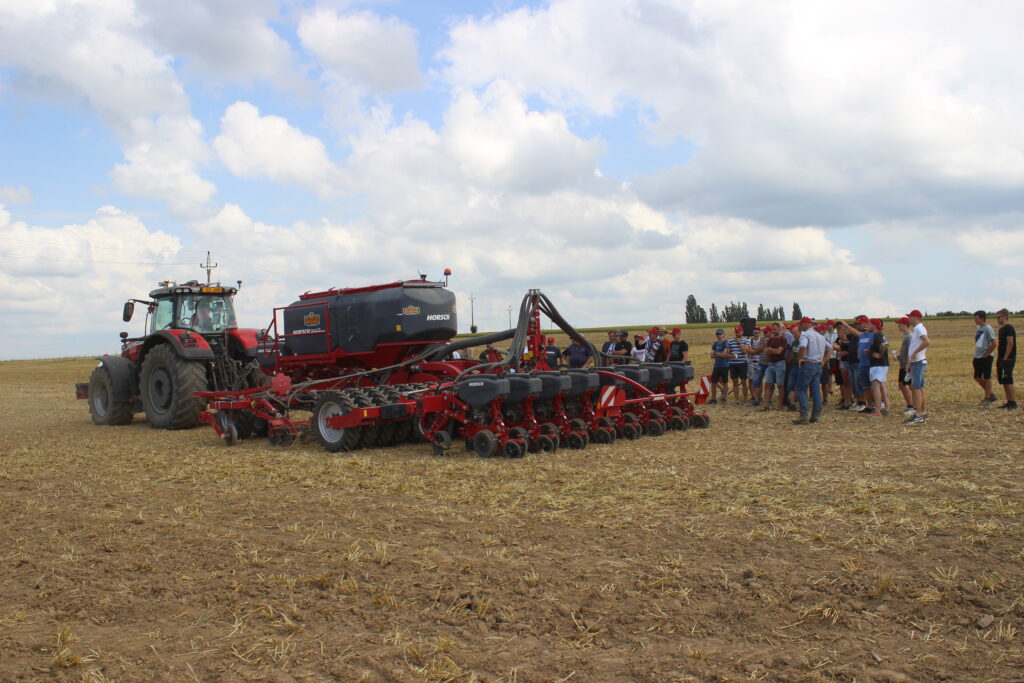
(129, 310)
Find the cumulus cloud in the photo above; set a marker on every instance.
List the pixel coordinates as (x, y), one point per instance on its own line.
(255, 146)
(802, 113)
(15, 194)
(371, 52)
(92, 53)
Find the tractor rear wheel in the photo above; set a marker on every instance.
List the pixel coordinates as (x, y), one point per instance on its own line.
(102, 406)
(167, 385)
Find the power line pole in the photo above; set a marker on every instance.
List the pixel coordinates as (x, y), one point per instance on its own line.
(208, 267)
(472, 316)
(510, 317)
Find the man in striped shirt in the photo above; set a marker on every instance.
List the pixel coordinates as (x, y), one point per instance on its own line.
(738, 363)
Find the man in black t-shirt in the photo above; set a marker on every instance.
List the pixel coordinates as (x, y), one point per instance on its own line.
(678, 349)
(1006, 356)
(622, 348)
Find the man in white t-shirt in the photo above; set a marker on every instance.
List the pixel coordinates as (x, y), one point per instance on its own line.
(984, 350)
(917, 364)
(813, 348)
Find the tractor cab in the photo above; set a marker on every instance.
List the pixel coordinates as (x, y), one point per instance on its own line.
(205, 309)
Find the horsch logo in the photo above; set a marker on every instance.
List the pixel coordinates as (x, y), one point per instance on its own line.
(311, 319)
(439, 316)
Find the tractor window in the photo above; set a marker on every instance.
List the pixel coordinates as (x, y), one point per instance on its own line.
(164, 316)
(206, 314)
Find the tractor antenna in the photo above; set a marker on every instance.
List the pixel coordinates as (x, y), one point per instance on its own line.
(208, 267)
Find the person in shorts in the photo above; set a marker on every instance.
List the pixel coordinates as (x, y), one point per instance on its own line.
(1006, 356)
(984, 346)
(738, 363)
(902, 359)
(775, 346)
(720, 370)
(757, 361)
(864, 362)
(878, 369)
(829, 371)
(678, 350)
(917, 367)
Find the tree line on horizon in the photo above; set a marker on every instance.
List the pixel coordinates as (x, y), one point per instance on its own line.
(735, 312)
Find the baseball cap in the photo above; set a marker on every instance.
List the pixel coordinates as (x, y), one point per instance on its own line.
(766, 328)
(551, 340)
(719, 331)
(738, 328)
(676, 330)
(623, 333)
(915, 314)
(861, 319)
(877, 322)
(819, 328)
(830, 322)
(654, 330)
(805, 319)
(903, 321)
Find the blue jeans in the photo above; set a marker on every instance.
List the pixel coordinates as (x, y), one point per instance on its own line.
(775, 373)
(863, 378)
(759, 374)
(917, 369)
(810, 378)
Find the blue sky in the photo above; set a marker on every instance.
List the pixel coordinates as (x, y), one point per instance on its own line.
(618, 155)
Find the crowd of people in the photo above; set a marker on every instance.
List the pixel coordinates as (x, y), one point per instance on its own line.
(800, 366)
(806, 362)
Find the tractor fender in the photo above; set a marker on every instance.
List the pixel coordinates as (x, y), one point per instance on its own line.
(194, 347)
(122, 376)
(245, 339)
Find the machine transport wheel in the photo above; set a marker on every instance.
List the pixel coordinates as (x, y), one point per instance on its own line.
(544, 444)
(512, 449)
(655, 414)
(244, 421)
(700, 421)
(606, 422)
(259, 427)
(578, 425)
(574, 440)
(602, 435)
(226, 422)
(485, 444)
(167, 384)
(442, 443)
(654, 428)
(334, 439)
(551, 429)
(631, 418)
(630, 432)
(102, 406)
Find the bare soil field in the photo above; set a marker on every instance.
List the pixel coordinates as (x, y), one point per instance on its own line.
(855, 549)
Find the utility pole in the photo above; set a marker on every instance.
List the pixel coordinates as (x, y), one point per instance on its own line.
(472, 316)
(208, 267)
(510, 317)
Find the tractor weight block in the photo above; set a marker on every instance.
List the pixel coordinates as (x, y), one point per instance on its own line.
(521, 387)
(637, 374)
(552, 383)
(658, 374)
(481, 390)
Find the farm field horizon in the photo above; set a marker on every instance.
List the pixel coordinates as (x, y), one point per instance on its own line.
(854, 549)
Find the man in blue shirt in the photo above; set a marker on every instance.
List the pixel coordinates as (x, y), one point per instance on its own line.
(864, 341)
(577, 353)
(720, 371)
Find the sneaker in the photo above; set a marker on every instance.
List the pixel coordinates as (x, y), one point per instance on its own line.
(814, 418)
(910, 411)
(859, 408)
(792, 409)
(885, 412)
(1006, 406)
(801, 421)
(755, 403)
(873, 413)
(916, 420)
(991, 399)
(712, 402)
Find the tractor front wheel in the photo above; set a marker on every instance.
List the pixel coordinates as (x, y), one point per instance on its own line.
(102, 406)
(167, 385)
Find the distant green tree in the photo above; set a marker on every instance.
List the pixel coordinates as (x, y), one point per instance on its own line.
(797, 313)
(695, 313)
(713, 314)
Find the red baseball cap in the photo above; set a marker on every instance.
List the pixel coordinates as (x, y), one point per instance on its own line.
(861, 319)
(738, 328)
(676, 330)
(653, 330)
(792, 326)
(819, 328)
(877, 322)
(805, 319)
(830, 322)
(766, 328)
(903, 321)
(551, 340)
(915, 314)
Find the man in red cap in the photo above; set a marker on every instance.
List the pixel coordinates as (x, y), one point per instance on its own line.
(878, 369)
(678, 350)
(917, 365)
(830, 370)
(552, 354)
(775, 372)
(812, 348)
(655, 346)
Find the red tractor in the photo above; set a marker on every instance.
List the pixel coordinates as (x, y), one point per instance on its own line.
(192, 344)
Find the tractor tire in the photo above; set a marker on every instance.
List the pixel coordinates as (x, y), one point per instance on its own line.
(102, 406)
(167, 384)
(334, 440)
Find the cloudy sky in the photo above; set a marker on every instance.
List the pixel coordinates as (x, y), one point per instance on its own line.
(618, 154)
